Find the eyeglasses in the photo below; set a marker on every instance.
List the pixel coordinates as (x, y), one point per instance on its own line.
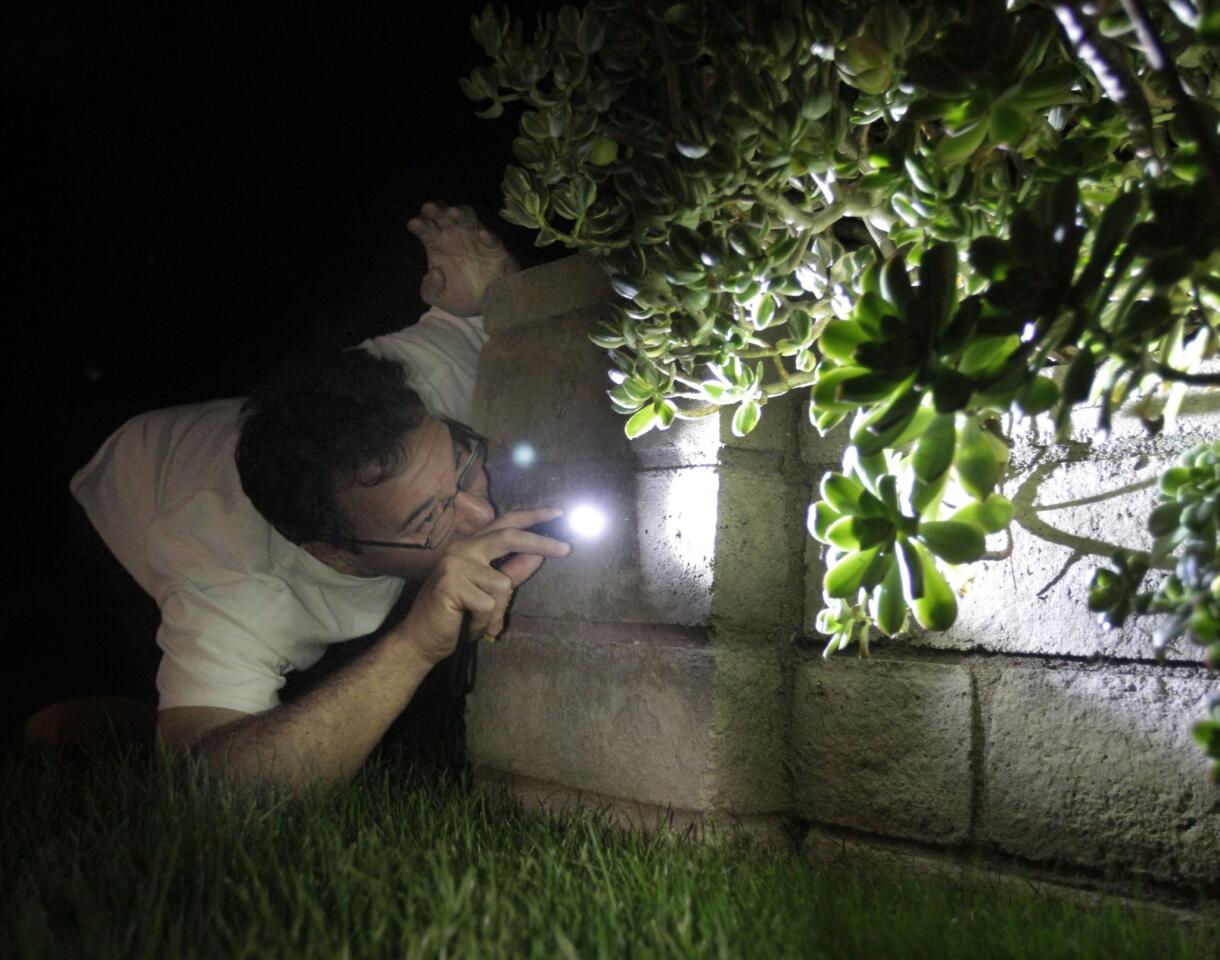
(469, 454)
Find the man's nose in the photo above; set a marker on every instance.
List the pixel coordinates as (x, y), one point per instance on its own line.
(473, 513)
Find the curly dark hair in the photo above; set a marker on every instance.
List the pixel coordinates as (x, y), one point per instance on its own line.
(316, 429)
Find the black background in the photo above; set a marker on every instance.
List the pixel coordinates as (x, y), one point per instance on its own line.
(195, 192)
(199, 189)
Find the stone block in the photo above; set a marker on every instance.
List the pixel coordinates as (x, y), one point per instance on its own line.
(615, 710)
(688, 443)
(776, 431)
(1070, 517)
(760, 542)
(544, 388)
(654, 561)
(884, 746)
(544, 292)
(823, 452)
(1198, 421)
(760, 831)
(1097, 767)
(888, 857)
(750, 725)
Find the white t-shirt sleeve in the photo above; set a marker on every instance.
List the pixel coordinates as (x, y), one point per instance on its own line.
(441, 354)
(210, 660)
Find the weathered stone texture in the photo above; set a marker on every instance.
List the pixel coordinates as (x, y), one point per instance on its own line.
(750, 725)
(1097, 767)
(884, 746)
(545, 386)
(1070, 517)
(541, 293)
(654, 561)
(776, 431)
(760, 539)
(605, 709)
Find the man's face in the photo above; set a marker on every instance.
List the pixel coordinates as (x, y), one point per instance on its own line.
(406, 506)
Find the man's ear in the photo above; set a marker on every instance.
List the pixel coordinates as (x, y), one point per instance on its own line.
(334, 557)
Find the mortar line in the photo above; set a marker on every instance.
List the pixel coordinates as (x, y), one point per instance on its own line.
(977, 765)
(945, 655)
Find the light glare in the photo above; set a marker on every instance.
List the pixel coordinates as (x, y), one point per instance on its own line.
(586, 520)
(523, 455)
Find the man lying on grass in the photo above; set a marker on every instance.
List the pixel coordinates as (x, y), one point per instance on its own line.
(269, 529)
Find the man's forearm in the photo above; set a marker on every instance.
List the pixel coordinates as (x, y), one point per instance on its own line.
(323, 738)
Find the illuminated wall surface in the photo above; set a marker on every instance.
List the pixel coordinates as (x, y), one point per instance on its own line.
(660, 668)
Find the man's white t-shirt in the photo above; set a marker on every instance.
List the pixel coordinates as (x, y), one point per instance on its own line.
(240, 605)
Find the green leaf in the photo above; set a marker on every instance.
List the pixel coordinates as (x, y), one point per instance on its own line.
(886, 605)
(938, 285)
(1164, 518)
(960, 147)
(1079, 379)
(844, 578)
(953, 540)
(977, 468)
(936, 609)
(876, 431)
(1038, 396)
(859, 533)
(842, 492)
(1112, 229)
(991, 515)
(910, 571)
(641, 422)
(986, 354)
(933, 453)
(603, 152)
(990, 256)
(840, 338)
(1007, 125)
(821, 516)
(896, 282)
(746, 417)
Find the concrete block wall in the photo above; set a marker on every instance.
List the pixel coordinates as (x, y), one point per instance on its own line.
(1026, 734)
(645, 670)
(666, 671)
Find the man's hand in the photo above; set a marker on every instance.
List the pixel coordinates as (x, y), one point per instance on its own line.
(465, 580)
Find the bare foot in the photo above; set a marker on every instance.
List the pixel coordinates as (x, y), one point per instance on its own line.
(464, 257)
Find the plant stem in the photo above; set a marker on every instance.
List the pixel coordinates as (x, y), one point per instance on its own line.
(696, 413)
(818, 222)
(793, 382)
(1104, 59)
(1166, 372)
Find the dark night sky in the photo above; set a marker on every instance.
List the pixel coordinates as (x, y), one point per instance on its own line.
(201, 187)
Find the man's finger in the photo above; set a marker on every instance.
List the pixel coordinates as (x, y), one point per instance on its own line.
(491, 545)
(520, 519)
(521, 566)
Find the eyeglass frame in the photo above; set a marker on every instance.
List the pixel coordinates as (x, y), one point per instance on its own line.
(461, 434)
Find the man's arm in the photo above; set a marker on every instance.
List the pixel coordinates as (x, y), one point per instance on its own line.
(323, 738)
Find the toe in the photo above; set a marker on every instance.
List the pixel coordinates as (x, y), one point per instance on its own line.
(423, 227)
(487, 238)
(433, 285)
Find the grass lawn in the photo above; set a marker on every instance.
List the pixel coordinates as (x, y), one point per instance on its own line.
(103, 857)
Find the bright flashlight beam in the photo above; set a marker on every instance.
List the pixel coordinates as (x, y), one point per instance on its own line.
(586, 521)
